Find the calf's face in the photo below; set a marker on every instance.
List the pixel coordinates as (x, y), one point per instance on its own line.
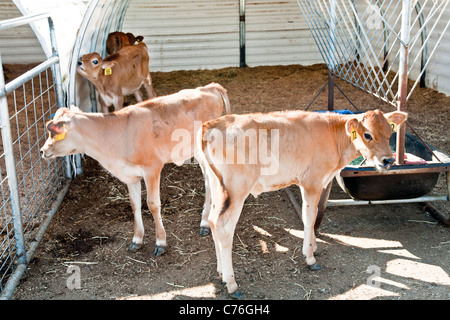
(90, 65)
(370, 136)
(62, 137)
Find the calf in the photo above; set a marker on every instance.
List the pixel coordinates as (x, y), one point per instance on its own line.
(117, 40)
(135, 142)
(118, 75)
(295, 147)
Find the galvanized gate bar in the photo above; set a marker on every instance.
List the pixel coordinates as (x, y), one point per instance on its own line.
(20, 21)
(11, 172)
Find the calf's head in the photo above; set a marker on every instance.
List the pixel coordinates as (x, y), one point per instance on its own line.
(370, 135)
(63, 137)
(91, 66)
(117, 40)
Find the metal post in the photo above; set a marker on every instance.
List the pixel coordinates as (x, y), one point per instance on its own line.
(331, 53)
(11, 171)
(330, 90)
(242, 59)
(403, 78)
(418, 8)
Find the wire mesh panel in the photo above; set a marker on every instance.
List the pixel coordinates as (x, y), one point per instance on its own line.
(28, 184)
(30, 107)
(362, 41)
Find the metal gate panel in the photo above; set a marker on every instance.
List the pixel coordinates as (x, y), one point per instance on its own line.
(29, 184)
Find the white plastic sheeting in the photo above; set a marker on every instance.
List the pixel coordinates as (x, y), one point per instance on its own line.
(66, 15)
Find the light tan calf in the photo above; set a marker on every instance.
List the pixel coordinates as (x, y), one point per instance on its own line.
(255, 153)
(118, 75)
(137, 141)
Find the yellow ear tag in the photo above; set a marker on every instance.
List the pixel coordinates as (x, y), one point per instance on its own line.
(393, 126)
(61, 136)
(353, 133)
(108, 71)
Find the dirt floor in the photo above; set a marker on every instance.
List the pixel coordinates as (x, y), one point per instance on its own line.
(366, 252)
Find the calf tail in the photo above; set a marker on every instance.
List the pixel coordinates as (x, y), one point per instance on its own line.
(218, 192)
(226, 101)
(223, 93)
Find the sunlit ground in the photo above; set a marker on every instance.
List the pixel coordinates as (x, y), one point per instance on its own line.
(200, 292)
(404, 265)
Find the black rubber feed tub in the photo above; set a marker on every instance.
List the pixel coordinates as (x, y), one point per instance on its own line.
(409, 181)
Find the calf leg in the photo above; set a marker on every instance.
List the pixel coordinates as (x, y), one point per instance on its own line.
(204, 224)
(135, 199)
(118, 103)
(138, 95)
(223, 232)
(310, 197)
(154, 205)
(149, 87)
(103, 105)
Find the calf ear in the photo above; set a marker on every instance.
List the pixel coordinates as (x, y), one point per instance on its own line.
(350, 126)
(56, 127)
(108, 64)
(397, 117)
(139, 39)
(75, 108)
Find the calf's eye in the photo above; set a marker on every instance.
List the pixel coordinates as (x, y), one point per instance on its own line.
(95, 61)
(368, 136)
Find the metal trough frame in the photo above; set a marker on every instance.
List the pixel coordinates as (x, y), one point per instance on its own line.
(400, 167)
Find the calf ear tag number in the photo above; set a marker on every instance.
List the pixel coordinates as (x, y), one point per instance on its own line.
(353, 133)
(108, 71)
(393, 126)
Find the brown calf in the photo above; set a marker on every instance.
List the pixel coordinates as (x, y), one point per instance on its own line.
(255, 153)
(117, 40)
(118, 75)
(135, 142)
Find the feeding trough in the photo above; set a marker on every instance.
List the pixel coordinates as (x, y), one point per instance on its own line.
(416, 178)
(376, 46)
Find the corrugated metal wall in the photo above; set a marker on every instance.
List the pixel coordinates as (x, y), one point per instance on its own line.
(438, 70)
(18, 45)
(277, 34)
(187, 35)
(203, 34)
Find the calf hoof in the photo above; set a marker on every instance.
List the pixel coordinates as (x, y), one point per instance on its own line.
(236, 295)
(159, 250)
(314, 267)
(134, 246)
(204, 231)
